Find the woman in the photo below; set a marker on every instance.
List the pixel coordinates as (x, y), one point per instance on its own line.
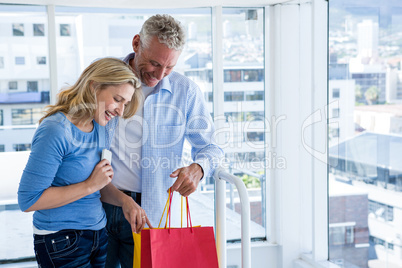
(64, 173)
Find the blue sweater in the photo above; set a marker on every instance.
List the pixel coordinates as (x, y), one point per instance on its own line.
(62, 155)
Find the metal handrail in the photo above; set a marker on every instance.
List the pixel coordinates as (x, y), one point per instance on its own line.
(221, 176)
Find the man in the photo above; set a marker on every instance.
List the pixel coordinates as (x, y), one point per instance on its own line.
(147, 149)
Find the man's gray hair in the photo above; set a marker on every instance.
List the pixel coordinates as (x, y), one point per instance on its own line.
(168, 30)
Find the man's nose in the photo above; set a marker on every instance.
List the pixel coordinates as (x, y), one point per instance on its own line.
(160, 73)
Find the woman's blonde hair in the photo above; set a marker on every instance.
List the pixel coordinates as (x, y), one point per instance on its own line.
(79, 100)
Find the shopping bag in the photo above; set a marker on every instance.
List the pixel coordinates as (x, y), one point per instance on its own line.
(175, 247)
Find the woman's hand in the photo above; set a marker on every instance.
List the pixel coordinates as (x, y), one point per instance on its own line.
(101, 176)
(135, 215)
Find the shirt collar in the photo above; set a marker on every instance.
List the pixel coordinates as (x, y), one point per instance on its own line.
(163, 84)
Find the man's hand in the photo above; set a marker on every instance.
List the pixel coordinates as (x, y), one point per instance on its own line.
(187, 180)
(135, 215)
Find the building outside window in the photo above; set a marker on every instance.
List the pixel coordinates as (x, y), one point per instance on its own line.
(18, 29)
(365, 175)
(39, 29)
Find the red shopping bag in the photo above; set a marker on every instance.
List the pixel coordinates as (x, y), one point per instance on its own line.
(176, 247)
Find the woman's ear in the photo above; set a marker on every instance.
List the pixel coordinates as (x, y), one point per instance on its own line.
(92, 86)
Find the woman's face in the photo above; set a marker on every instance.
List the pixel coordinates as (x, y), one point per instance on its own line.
(111, 102)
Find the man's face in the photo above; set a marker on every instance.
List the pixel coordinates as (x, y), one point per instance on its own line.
(155, 62)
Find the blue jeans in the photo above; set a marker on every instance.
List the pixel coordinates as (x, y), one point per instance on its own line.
(71, 248)
(120, 248)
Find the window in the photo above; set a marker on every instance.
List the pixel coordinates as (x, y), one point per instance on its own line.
(32, 86)
(26, 116)
(18, 29)
(234, 96)
(341, 235)
(335, 113)
(365, 167)
(12, 85)
(335, 93)
(381, 211)
(17, 120)
(255, 136)
(254, 95)
(22, 147)
(241, 33)
(19, 60)
(251, 76)
(232, 76)
(65, 30)
(41, 60)
(39, 29)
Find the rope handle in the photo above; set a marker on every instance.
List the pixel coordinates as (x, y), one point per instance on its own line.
(168, 205)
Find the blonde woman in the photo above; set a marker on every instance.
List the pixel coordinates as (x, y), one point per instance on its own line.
(64, 174)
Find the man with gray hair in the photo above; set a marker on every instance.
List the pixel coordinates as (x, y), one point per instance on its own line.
(147, 148)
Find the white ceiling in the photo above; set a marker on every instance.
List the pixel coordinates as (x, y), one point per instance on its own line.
(153, 4)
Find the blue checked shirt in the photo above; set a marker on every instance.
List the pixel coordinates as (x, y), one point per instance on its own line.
(173, 112)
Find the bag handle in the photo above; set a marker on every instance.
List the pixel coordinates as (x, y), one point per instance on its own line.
(168, 205)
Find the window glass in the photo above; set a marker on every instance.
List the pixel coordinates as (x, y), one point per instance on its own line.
(65, 30)
(21, 105)
(18, 29)
(26, 116)
(254, 95)
(12, 85)
(39, 29)
(243, 63)
(22, 147)
(365, 133)
(41, 60)
(32, 86)
(19, 60)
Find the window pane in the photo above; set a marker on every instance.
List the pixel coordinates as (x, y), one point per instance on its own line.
(21, 103)
(109, 32)
(18, 29)
(19, 60)
(365, 133)
(244, 110)
(39, 29)
(65, 30)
